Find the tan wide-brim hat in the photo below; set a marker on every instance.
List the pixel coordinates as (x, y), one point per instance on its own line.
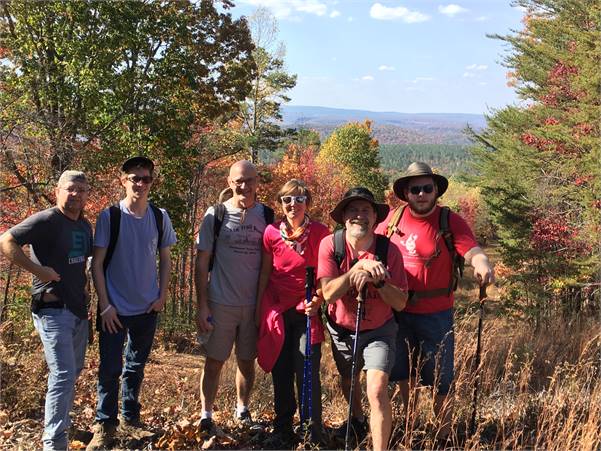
(359, 193)
(419, 169)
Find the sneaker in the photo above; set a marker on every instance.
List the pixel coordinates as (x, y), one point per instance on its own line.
(244, 420)
(207, 425)
(357, 434)
(282, 439)
(104, 435)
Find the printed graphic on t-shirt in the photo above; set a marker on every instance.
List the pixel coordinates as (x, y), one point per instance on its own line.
(409, 244)
(243, 239)
(79, 247)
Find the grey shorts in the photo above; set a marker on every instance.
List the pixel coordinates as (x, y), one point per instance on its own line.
(231, 325)
(375, 349)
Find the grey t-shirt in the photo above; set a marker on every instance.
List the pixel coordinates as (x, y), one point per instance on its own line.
(132, 277)
(64, 245)
(235, 275)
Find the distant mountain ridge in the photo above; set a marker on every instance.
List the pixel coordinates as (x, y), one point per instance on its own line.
(389, 127)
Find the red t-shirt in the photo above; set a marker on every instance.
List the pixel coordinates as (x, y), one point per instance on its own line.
(344, 311)
(417, 242)
(288, 273)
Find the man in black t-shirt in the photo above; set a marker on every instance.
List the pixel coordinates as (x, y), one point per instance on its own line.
(60, 241)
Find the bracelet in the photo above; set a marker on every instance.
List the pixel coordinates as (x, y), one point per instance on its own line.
(106, 310)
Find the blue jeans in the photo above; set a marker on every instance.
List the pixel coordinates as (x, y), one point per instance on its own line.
(426, 341)
(64, 337)
(139, 330)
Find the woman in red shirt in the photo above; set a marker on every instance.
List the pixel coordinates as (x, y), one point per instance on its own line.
(289, 246)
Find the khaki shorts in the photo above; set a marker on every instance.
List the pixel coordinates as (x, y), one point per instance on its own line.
(232, 324)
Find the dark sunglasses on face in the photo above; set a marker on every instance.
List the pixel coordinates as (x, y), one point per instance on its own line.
(146, 179)
(297, 199)
(416, 189)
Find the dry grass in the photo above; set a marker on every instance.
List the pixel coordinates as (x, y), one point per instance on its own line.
(539, 389)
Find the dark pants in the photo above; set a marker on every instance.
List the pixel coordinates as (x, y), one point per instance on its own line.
(289, 367)
(139, 330)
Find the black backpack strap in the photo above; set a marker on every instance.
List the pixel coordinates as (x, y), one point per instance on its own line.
(158, 217)
(218, 215)
(339, 246)
(268, 214)
(457, 261)
(382, 243)
(115, 224)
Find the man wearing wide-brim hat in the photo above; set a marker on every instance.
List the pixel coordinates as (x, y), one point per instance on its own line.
(341, 280)
(427, 321)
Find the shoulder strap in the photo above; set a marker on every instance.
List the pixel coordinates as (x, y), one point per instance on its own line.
(158, 217)
(339, 246)
(445, 230)
(218, 215)
(395, 220)
(457, 261)
(115, 224)
(382, 243)
(269, 214)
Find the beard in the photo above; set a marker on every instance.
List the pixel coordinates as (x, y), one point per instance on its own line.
(359, 231)
(422, 207)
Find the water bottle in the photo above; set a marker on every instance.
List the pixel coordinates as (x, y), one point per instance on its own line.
(203, 339)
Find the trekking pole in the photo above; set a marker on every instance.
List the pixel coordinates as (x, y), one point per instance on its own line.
(481, 298)
(307, 395)
(360, 306)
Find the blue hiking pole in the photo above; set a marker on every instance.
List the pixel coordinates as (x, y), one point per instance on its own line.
(307, 396)
(360, 306)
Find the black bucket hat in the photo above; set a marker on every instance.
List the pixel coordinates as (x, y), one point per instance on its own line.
(359, 193)
(137, 161)
(419, 169)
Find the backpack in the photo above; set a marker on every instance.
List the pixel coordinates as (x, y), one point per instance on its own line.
(115, 222)
(444, 232)
(219, 214)
(382, 243)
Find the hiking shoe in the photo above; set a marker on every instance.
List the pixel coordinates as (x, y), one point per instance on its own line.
(135, 429)
(357, 434)
(282, 439)
(104, 435)
(207, 425)
(244, 420)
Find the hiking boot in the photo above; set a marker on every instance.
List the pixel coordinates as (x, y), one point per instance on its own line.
(104, 435)
(357, 433)
(207, 425)
(245, 421)
(135, 429)
(281, 439)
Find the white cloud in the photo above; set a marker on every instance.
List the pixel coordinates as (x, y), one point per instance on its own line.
(284, 9)
(334, 13)
(384, 67)
(482, 18)
(419, 79)
(451, 10)
(469, 75)
(477, 67)
(367, 78)
(350, 19)
(381, 12)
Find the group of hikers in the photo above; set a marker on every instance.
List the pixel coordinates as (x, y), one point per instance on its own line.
(383, 282)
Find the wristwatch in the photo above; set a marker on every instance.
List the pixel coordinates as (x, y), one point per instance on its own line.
(380, 284)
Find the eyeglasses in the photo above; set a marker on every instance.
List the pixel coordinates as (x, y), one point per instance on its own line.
(241, 182)
(75, 190)
(416, 189)
(145, 179)
(297, 199)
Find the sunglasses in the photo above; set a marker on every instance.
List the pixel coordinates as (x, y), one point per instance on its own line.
(297, 199)
(416, 189)
(146, 179)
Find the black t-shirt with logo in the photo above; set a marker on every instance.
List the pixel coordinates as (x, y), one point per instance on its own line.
(64, 245)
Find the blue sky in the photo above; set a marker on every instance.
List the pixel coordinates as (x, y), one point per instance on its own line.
(390, 55)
